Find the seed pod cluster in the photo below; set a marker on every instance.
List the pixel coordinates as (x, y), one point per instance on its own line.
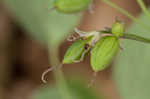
(71, 6)
(103, 52)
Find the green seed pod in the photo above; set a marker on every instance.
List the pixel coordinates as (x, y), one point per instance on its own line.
(71, 6)
(118, 28)
(76, 51)
(103, 52)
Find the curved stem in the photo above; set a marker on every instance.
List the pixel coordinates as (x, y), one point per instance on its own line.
(135, 37)
(58, 74)
(126, 13)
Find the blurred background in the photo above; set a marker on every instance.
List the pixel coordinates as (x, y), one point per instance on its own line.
(23, 58)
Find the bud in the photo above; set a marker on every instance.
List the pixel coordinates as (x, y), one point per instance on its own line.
(71, 6)
(76, 51)
(118, 28)
(103, 52)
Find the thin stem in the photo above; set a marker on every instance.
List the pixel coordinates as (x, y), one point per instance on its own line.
(58, 74)
(45, 73)
(92, 80)
(130, 36)
(135, 37)
(126, 13)
(144, 9)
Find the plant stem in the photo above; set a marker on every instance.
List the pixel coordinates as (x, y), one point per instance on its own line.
(126, 13)
(144, 9)
(58, 74)
(135, 37)
(129, 36)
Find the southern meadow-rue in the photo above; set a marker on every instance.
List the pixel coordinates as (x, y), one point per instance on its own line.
(102, 45)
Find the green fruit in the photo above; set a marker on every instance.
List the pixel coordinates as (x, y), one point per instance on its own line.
(103, 52)
(118, 28)
(76, 50)
(71, 6)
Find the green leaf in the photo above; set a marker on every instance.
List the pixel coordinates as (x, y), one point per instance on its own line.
(78, 90)
(103, 52)
(132, 70)
(44, 24)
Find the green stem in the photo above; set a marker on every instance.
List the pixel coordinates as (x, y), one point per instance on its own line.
(126, 13)
(135, 37)
(144, 9)
(58, 74)
(129, 36)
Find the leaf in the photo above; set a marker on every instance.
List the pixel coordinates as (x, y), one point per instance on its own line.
(132, 70)
(103, 52)
(44, 24)
(77, 89)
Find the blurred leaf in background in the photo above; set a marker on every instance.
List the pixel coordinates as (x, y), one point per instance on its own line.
(42, 22)
(77, 88)
(132, 70)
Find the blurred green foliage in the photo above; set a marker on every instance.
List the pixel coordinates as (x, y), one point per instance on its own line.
(78, 90)
(49, 27)
(132, 70)
(71, 6)
(42, 22)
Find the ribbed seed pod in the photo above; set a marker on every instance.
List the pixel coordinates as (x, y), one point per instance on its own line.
(103, 52)
(71, 6)
(118, 28)
(76, 51)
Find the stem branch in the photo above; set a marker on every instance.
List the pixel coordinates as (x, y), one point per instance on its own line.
(143, 7)
(130, 36)
(135, 37)
(126, 13)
